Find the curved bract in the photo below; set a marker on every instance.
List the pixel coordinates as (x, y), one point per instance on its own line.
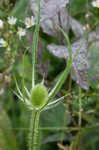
(39, 96)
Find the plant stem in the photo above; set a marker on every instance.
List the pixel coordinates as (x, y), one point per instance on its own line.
(34, 138)
(80, 108)
(35, 45)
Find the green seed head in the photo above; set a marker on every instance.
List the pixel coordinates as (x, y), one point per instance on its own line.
(39, 96)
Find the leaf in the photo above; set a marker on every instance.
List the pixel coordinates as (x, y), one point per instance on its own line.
(53, 13)
(54, 103)
(77, 28)
(48, 8)
(7, 138)
(60, 19)
(80, 63)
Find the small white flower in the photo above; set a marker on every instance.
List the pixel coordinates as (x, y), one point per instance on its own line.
(21, 32)
(12, 20)
(95, 3)
(2, 91)
(29, 22)
(1, 24)
(3, 43)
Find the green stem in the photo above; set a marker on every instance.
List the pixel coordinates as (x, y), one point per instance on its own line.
(80, 108)
(34, 132)
(35, 45)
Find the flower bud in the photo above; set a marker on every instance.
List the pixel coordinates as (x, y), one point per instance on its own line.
(39, 96)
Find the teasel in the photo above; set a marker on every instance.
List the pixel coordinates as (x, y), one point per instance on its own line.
(39, 96)
(38, 99)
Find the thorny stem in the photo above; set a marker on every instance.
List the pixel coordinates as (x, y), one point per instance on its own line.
(33, 145)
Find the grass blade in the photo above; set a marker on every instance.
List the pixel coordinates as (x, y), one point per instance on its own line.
(66, 71)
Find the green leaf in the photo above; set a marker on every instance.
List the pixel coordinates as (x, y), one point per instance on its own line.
(65, 73)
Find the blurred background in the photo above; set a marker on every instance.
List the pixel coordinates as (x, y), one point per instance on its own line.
(72, 125)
